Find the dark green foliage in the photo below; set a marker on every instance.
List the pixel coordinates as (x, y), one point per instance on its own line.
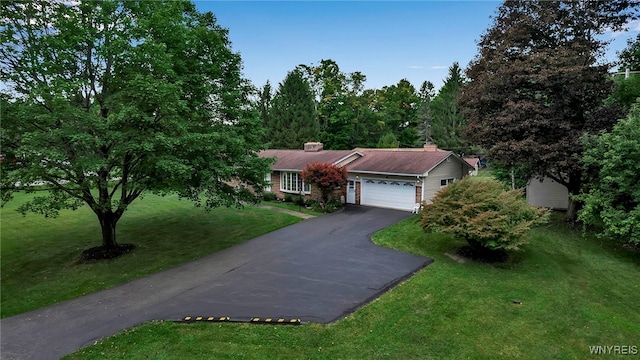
(516, 177)
(107, 100)
(424, 114)
(298, 200)
(288, 198)
(269, 196)
(627, 90)
(387, 141)
(628, 87)
(482, 212)
(292, 116)
(263, 105)
(345, 111)
(447, 121)
(537, 85)
(396, 105)
(612, 199)
(630, 56)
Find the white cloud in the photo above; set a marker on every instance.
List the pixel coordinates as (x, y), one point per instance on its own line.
(416, 67)
(631, 26)
(439, 67)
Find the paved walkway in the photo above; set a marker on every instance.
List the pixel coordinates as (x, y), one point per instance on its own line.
(318, 270)
(287, 211)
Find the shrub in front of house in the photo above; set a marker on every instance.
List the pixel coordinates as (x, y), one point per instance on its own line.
(327, 177)
(269, 196)
(310, 203)
(288, 198)
(491, 219)
(298, 200)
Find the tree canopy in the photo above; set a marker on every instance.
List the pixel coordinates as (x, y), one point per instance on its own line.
(627, 81)
(448, 122)
(630, 56)
(612, 162)
(106, 100)
(292, 117)
(537, 84)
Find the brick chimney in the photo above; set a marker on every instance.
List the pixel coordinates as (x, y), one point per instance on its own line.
(430, 147)
(313, 146)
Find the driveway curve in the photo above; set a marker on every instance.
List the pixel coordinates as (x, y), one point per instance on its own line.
(318, 270)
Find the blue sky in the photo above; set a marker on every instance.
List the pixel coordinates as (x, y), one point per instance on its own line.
(386, 41)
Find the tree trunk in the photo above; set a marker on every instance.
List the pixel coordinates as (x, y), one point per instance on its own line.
(108, 224)
(572, 211)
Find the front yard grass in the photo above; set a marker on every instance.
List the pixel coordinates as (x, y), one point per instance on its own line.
(576, 292)
(40, 256)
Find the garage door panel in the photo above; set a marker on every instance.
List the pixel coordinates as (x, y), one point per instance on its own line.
(388, 193)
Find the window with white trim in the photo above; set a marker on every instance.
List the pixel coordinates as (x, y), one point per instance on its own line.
(445, 182)
(292, 182)
(267, 179)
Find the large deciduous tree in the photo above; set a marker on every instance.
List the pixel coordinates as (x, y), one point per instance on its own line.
(630, 56)
(342, 107)
(292, 116)
(106, 100)
(397, 106)
(628, 79)
(612, 162)
(537, 84)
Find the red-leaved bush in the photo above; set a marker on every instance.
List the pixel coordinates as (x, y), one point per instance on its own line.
(326, 177)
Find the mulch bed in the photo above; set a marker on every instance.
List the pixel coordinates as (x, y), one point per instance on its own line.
(100, 253)
(483, 255)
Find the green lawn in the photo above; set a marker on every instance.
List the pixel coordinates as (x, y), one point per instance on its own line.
(39, 256)
(575, 291)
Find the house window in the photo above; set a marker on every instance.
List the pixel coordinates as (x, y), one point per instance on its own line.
(445, 182)
(292, 182)
(267, 179)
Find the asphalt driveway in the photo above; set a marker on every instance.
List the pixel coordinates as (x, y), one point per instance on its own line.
(318, 270)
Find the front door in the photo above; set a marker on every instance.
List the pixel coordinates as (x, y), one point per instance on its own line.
(351, 192)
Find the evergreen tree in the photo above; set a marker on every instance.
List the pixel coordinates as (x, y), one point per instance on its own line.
(448, 122)
(264, 104)
(425, 117)
(292, 117)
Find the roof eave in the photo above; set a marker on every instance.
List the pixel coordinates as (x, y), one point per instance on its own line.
(346, 157)
(382, 173)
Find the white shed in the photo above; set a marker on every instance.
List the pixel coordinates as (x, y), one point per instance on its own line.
(547, 193)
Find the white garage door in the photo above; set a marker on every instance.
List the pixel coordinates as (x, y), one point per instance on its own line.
(388, 193)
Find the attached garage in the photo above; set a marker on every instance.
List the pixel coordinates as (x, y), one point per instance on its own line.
(394, 194)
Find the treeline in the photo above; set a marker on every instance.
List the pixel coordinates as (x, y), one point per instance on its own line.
(322, 103)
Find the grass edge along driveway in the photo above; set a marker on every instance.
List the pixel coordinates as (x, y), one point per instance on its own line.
(576, 292)
(40, 256)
